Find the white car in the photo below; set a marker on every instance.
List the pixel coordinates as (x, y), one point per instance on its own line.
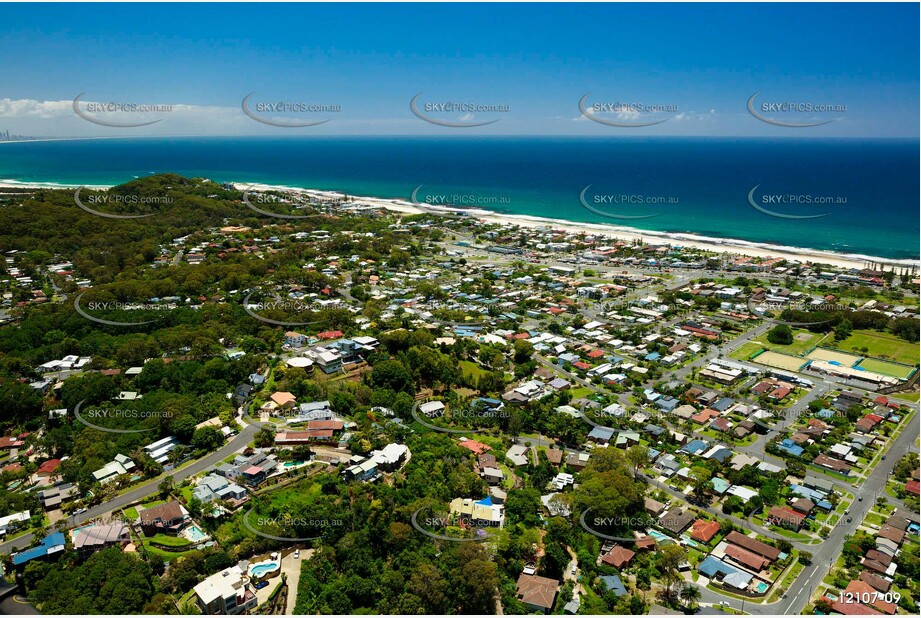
(297, 554)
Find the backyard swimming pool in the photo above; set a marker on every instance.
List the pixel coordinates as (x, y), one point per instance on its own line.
(261, 569)
(194, 533)
(762, 587)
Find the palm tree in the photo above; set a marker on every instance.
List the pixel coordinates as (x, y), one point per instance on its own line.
(690, 594)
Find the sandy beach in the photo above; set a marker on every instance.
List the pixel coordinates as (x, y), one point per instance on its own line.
(720, 245)
(614, 233)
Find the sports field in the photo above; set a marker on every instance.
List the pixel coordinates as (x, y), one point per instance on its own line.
(887, 369)
(802, 340)
(779, 361)
(847, 360)
(881, 345)
(746, 350)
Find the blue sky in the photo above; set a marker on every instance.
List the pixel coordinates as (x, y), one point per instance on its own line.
(702, 61)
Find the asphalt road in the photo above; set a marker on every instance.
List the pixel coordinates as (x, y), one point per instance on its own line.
(237, 443)
(824, 554)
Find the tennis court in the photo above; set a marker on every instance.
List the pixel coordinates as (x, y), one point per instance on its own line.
(834, 356)
(779, 361)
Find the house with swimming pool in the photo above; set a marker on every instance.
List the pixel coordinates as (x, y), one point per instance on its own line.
(228, 592)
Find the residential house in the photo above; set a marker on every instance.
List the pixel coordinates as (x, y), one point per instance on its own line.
(785, 518)
(618, 557)
(228, 592)
(769, 552)
(538, 593)
(478, 513)
(94, 538)
(51, 545)
(676, 521)
(704, 530)
(166, 518)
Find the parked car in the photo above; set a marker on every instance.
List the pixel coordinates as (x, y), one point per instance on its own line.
(261, 585)
(297, 554)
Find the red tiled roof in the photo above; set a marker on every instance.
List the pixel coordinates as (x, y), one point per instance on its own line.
(749, 559)
(49, 466)
(618, 556)
(851, 609)
(704, 530)
(785, 515)
(334, 425)
(753, 545)
(476, 447)
(863, 590)
(536, 590)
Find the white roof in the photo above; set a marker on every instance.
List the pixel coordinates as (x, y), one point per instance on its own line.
(742, 492)
(221, 585)
(431, 406)
(389, 454)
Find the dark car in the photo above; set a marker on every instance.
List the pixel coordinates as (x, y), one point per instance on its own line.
(261, 585)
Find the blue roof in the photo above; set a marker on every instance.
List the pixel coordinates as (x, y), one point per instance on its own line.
(612, 582)
(805, 492)
(791, 447)
(711, 566)
(731, 576)
(667, 403)
(694, 446)
(41, 550)
(825, 413)
(487, 501)
(652, 356)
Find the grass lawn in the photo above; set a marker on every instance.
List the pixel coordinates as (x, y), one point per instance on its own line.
(131, 513)
(881, 345)
(746, 350)
(471, 370)
(907, 396)
(582, 391)
(790, 534)
(166, 539)
(508, 482)
(788, 579)
(166, 555)
(803, 341)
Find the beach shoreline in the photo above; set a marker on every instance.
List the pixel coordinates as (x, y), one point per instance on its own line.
(731, 246)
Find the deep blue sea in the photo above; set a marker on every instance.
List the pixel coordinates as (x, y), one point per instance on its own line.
(869, 188)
